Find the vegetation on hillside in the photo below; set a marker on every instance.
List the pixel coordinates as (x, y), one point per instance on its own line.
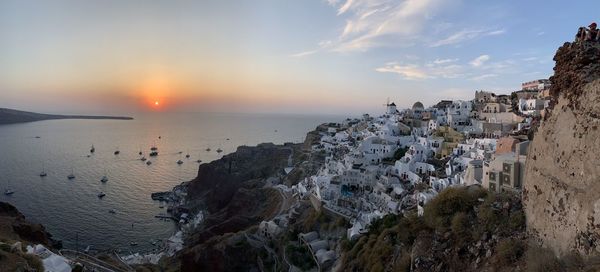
(462, 228)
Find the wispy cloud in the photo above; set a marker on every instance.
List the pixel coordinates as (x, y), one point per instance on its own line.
(410, 72)
(443, 61)
(479, 61)
(484, 76)
(466, 35)
(477, 69)
(303, 54)
(376, 23)
(430, 70)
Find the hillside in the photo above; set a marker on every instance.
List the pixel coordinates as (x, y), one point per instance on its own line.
(561, 193)
(10, 116)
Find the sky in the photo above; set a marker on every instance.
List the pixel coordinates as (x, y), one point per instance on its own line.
(273, 56)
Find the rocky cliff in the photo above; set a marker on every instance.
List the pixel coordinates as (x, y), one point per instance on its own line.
(232, 190)
(562, 181)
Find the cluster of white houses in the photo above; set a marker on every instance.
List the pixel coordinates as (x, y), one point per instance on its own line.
(400, 160)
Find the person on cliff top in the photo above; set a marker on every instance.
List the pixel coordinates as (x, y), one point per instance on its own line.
(581, 33)
(592, 33)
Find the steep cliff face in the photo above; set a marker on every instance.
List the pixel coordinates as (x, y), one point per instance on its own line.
(562, 181)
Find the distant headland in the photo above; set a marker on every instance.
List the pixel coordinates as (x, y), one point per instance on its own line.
(10, 116)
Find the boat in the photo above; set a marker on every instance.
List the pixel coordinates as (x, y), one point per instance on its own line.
(154, 148)
(140, 153)
(93, 149)
(148, 162)
(153, 153)
(159, 137)
(37, 137)
(133, 244)
(179, 162)
(161, 206)
(8, 192)
(187, 156)
(101, 195)
(208, 149)
(117, 152)
(112, 211)
(219, 150)
(143, 158)
(227, 139)
(199, 161)
(104, 179)
(71, 176)
(180, 152)
(43, 173)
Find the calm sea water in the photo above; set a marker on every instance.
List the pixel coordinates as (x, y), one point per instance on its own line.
(71, 210)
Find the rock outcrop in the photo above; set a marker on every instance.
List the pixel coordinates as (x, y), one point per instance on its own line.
(561, 191)
(14, 226)
(232, 190)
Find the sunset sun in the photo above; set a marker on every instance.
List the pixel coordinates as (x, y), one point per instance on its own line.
(155, 103)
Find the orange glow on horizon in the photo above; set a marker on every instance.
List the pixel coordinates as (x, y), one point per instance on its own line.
(155, 103)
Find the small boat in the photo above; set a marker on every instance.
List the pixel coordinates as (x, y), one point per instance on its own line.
(104, 179)
(153, 243)
(71, 176)
(117, 152)
(148, 162)
(161, 206)
(143, 158)
(180, 152)
(275, 130)
(159, 137)
(133, 244)
(112, 211)
(93, 149)
(199, 161)
(227, 139)
(179, 162)
(208, 149)
(101, 195)
(43, 173)
(140, 153)
(219, 150)
(187, 156)
(87, 249)
(153, 153)
(8, 192)
(37, 137)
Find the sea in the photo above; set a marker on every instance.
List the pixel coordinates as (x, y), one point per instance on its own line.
(71, 210)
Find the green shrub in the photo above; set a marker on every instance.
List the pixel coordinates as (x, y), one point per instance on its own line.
(34, 262)
(517, 220)
(440, 210)
(460, 224)
(509, 250)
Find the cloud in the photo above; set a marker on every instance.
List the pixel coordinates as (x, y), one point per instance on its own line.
(303, 54)
(484, 76)
(466, 35)
(451, 68)
(410, 72)
(479, 61)
(429, 70)
(443, 61)
(376, 23)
